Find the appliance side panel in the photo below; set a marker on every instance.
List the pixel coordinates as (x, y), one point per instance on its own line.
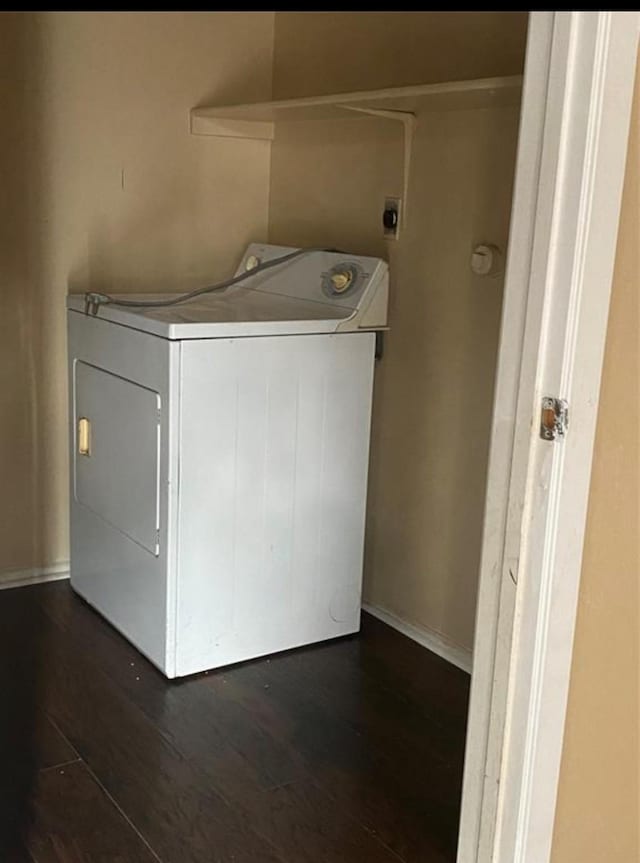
(173, 501)
(124, 580)
(274, 458)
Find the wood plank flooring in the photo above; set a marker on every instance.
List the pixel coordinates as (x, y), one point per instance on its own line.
(345, 752)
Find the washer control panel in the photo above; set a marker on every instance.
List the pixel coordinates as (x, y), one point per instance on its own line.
(314, 275)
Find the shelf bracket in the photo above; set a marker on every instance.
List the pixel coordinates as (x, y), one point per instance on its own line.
(408, 121)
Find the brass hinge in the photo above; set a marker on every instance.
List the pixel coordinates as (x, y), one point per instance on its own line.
(554, 418)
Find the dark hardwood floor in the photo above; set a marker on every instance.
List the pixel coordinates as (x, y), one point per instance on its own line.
(346, 751)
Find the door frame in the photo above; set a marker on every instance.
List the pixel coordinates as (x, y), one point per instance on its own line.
(574, 127)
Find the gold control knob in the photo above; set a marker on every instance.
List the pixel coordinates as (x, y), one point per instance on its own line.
(341, 281)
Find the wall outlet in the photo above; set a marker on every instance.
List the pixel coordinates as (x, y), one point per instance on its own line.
(391, 218)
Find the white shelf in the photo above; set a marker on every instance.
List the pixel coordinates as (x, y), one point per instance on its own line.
(257, 120)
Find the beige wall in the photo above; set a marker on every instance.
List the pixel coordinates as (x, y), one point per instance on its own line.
(103, 186)
(333, 52)
(434, 387)
(598, 812)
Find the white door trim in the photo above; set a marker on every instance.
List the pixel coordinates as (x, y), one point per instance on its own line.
(571, 157)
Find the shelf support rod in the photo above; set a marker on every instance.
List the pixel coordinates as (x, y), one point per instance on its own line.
(408, 121)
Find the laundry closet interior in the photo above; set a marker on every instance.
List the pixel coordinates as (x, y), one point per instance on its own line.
(383, 135)
(445, 150)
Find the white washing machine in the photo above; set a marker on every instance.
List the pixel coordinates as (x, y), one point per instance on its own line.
(219, 454)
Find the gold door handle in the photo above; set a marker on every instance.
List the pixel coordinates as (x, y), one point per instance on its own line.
(84, 436)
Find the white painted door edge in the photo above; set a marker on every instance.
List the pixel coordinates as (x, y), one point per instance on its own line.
(36, 575)
(429, 638)
(571, 158)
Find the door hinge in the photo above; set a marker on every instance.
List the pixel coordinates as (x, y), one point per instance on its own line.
(554, 418)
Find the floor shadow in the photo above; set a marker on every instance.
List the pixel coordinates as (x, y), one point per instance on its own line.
(23, 638)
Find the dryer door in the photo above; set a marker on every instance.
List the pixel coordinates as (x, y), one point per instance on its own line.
(117, 452)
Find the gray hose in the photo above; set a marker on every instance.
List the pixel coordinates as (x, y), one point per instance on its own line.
(93, 301)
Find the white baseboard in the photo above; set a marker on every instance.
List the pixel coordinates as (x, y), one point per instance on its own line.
(24, 577)
(459, 656)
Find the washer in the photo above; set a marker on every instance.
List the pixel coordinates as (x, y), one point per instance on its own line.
(219, 455)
